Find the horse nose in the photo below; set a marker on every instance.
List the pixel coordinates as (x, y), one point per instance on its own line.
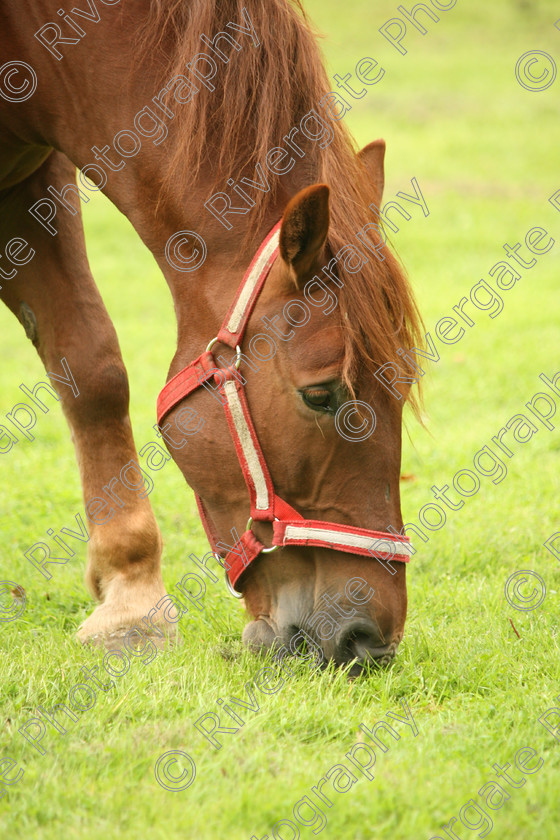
(362, 640)
(359, 641)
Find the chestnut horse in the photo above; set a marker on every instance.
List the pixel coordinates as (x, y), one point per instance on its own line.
(164, 104)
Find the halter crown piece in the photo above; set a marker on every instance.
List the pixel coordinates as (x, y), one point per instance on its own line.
(289, 526)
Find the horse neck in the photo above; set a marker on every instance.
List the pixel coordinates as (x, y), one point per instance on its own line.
(79, 106)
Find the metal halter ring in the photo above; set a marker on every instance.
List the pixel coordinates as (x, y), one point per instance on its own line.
(264, 550)
(237, 350)
(228, 582)
(231, 590)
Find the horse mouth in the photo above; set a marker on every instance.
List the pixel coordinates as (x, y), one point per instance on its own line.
(376, 657)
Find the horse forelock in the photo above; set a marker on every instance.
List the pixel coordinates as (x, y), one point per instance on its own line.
(260, 95)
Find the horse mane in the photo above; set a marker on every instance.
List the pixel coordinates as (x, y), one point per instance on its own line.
(261, 94)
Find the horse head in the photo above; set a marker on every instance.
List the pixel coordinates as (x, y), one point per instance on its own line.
(314, 464)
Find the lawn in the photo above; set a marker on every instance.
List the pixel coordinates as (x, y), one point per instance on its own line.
(474, 673)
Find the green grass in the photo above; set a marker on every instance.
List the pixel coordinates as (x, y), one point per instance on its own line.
(485, 154)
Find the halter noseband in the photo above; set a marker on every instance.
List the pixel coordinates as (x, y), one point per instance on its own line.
(289, 526)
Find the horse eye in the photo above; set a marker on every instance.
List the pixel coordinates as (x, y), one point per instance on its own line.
(318, 399)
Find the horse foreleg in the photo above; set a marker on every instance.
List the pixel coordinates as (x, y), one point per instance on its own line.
(56, 299)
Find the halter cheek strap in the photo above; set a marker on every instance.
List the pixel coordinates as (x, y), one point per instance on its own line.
(289, 526)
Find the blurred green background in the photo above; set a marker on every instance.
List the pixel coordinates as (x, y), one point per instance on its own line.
(485, 153)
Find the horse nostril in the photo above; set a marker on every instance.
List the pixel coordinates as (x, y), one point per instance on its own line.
(361, 640)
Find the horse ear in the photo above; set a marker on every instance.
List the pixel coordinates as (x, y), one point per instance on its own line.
(373, 157)
(305, 226)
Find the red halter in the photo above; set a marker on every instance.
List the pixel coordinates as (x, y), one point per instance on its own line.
(289, 527)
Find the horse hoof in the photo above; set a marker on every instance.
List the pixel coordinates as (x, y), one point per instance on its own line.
(117, 639)
(114, 629)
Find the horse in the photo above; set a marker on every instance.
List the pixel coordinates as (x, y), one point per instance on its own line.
(211, 125)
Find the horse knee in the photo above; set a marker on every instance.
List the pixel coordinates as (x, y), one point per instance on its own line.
(104, 392)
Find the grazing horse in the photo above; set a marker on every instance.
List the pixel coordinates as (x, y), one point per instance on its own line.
(210, 124)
